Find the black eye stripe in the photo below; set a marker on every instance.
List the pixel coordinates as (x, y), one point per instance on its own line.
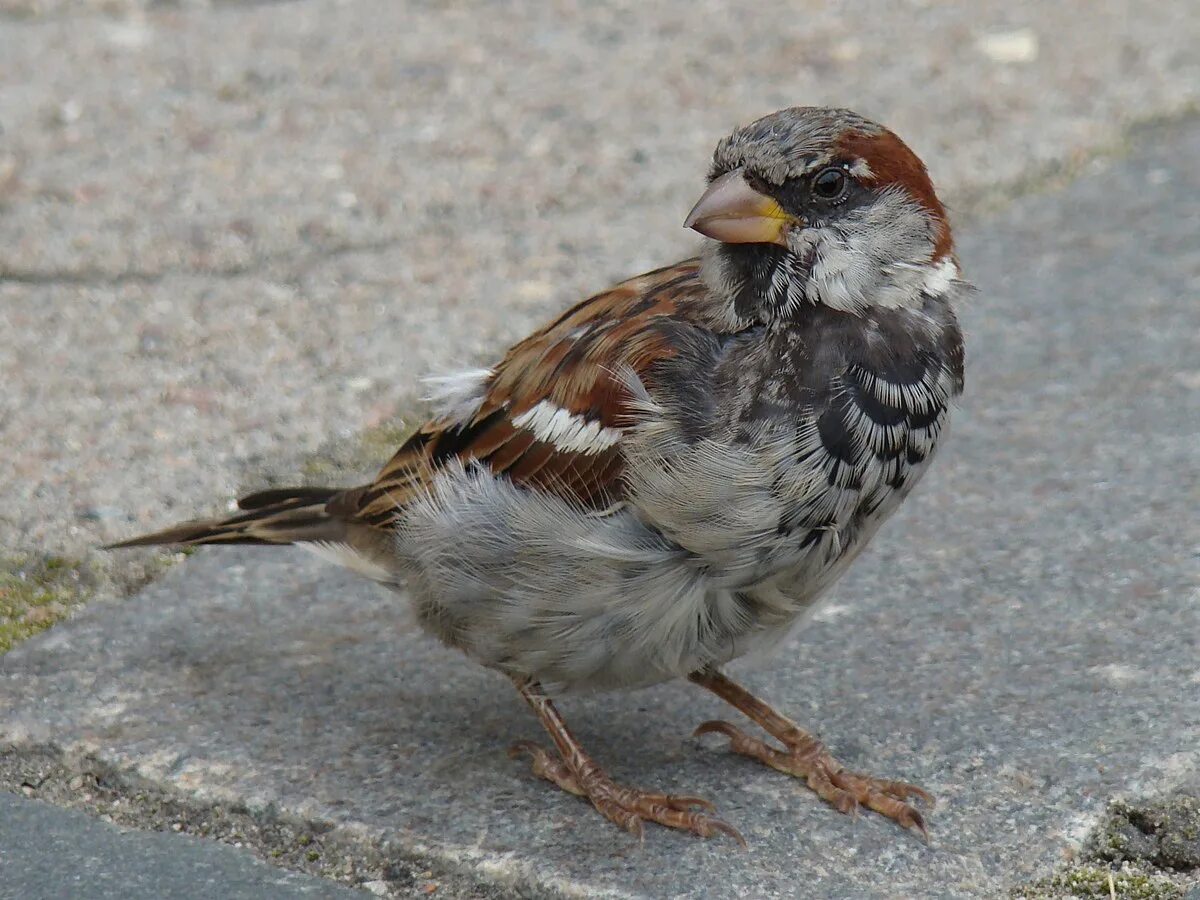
(815, 194)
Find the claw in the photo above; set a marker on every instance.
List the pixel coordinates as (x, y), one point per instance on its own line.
(805, 757)
(574, 771)
(918, 824)
(725, 828)
(518, 747)
(627, 807)
(716, 726)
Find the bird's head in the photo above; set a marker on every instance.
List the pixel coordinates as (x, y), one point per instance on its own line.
(821, 206)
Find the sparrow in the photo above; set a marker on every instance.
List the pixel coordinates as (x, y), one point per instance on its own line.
(671, 473)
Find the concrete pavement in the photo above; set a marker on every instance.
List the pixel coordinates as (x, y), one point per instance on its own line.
(1022, 639)
(230, 232)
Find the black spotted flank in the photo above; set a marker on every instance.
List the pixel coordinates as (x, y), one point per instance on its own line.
(836, 436)
(873, 408)
(928, 417)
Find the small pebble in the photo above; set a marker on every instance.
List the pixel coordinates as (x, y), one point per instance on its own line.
(103, 513)
(1018, 46)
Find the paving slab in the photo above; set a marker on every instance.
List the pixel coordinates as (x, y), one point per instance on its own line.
(1023, 640)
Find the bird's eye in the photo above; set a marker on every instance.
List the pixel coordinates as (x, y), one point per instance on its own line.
(829, 184)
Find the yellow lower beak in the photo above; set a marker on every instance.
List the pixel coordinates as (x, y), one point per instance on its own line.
(732, 212)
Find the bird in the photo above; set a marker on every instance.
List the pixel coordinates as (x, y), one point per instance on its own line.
(672, 473)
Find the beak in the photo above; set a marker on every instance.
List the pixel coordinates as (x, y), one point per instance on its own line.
(734, 213)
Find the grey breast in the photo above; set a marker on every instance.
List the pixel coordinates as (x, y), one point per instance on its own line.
(802, 440)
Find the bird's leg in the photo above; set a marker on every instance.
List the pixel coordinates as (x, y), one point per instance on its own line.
(806, 757)
(576, 772)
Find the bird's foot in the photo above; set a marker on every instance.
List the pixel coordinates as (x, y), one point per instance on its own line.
(626, 807)
(846, 791)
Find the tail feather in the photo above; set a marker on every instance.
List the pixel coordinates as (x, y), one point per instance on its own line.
(273, 496)
(278, 516)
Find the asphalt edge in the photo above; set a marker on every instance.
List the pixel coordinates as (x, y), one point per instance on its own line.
(398, 867)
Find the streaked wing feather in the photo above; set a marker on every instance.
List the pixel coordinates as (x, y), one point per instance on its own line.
(581, 364)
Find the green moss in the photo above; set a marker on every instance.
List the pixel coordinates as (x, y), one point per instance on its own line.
(37, 591)
(1140, 845)
(1164, 832)
(1091, 882)
(40, 590)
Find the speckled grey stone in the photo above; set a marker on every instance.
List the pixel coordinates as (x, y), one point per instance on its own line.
(1023, 640)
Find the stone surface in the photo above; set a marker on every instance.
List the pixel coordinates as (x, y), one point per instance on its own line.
(47, 853)
(229, 230)
(1022, 640)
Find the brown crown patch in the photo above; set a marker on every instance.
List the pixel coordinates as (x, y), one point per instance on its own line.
(891, 162)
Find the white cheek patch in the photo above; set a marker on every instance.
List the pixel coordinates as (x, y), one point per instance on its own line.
(459, 395)
(937, 282)
(567, 431)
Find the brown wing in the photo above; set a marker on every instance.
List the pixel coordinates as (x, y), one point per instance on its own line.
(552, 411)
